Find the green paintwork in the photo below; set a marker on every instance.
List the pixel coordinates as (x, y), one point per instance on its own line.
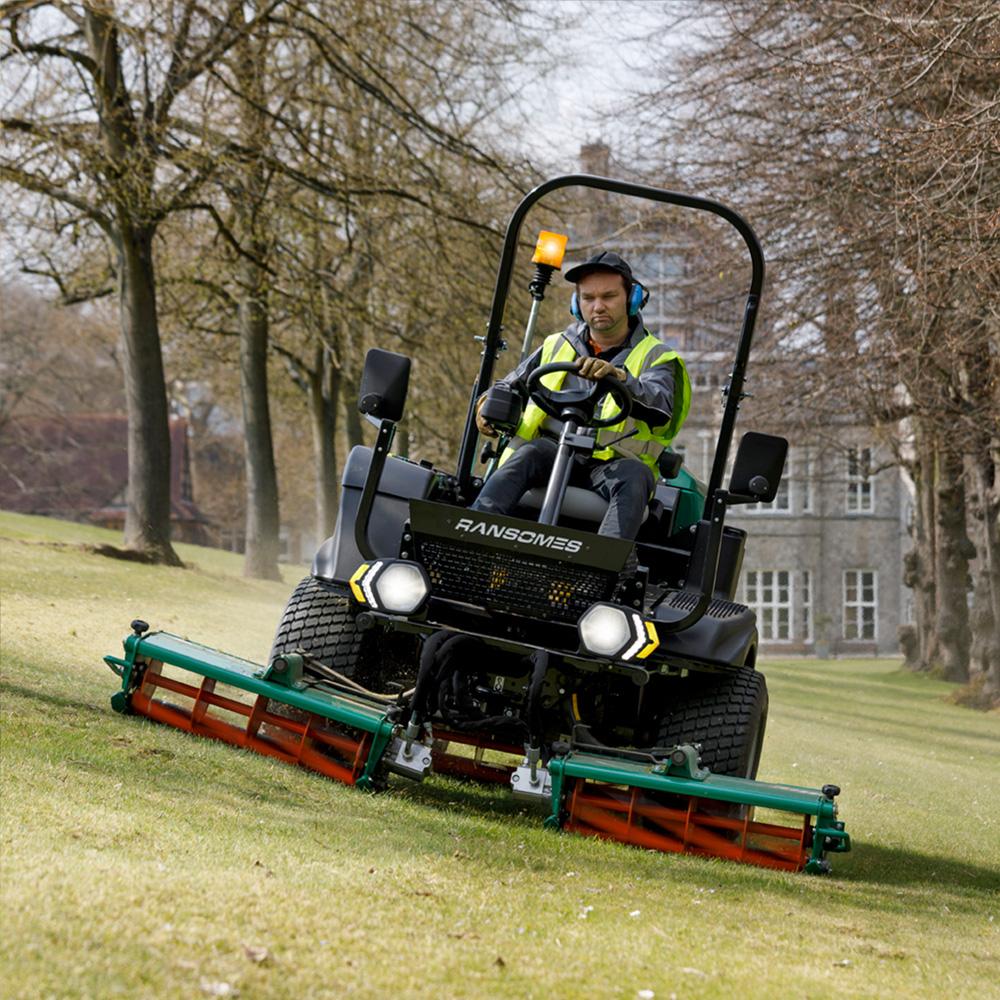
(690, 501)
(285, 670)
(207, 662)
(683, 762)
(615, 771)
(285, 687)
(687, 779)
(380, 740)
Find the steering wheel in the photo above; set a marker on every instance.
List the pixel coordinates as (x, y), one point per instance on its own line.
(555, 402)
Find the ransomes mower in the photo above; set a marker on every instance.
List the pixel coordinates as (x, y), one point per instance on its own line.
(611, 683)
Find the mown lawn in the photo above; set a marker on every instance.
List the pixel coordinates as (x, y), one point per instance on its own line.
(141, 862)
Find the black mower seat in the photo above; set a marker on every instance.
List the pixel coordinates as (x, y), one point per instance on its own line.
(579, 504)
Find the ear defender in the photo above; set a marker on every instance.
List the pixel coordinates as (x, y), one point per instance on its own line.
(638, 296)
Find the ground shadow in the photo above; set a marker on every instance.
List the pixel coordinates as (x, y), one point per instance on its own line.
(55, 700)
(896, 866)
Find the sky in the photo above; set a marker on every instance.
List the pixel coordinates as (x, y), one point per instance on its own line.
(603, 59)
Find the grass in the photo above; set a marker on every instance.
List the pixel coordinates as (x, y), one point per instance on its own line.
(138, 861)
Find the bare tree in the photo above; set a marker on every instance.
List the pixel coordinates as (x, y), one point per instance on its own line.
(88, 125)
(858, 137)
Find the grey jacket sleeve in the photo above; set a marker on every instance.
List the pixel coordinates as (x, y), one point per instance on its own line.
(654, 390)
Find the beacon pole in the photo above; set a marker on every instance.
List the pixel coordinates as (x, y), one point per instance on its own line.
(548, 257)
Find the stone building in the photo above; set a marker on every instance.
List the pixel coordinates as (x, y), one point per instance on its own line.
(824, 561)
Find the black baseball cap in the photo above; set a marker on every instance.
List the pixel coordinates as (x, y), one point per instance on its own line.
(606, 260)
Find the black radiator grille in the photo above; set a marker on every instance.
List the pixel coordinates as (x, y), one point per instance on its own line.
(513, 582)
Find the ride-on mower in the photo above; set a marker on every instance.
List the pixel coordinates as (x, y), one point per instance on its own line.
(612, 684)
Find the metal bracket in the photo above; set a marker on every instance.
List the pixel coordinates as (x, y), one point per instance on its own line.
(684, 761)
(531, 783)
(410, 759)
(284, 669)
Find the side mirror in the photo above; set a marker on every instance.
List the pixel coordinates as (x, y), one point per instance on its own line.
(383, 385)
(760, 460)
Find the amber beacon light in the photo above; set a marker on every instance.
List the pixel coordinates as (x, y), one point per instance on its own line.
(550, 249)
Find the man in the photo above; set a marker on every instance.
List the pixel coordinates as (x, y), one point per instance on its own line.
(607, 339)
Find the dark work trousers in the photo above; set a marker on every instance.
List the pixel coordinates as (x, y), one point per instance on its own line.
(626, 483)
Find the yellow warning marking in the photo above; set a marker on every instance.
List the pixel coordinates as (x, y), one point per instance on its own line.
(358, 574)
(654, 641)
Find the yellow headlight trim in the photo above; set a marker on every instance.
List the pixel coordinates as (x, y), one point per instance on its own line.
(654, 641)
(358, 574)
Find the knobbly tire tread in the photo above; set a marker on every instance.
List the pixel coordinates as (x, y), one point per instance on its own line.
(320, 618)
(726, 714)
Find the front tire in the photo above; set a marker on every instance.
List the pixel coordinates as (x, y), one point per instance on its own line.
(319, 619)
(726, 714)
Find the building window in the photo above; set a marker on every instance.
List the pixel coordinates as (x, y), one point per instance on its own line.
(806, 480)
(805, 614)
(860, 488)
(860, 603)
(769, 593)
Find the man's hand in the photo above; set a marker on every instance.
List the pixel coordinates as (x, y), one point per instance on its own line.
(487, 430)
(595, 369)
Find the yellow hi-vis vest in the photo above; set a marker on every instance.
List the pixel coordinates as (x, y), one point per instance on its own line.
(646, 443)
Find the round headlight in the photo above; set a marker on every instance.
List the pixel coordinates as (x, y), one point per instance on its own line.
(401, 588)
(604, 630)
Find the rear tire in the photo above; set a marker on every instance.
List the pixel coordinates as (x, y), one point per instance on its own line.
(726, 714)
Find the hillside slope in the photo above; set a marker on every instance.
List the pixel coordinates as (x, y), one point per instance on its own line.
(141, 862)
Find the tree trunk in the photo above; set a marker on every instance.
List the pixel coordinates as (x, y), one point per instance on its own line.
(324, 385)
(262, 523)
(952, 581)
(919, 563)
(147, 518)
(353, 421)
(985, 617)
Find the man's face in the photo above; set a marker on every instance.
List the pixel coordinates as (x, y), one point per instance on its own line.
(603, 303)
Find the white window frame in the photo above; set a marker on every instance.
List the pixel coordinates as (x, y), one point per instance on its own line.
(769, 617)
(855, 605)
(859, 495)
(805, 612)
(807, 493)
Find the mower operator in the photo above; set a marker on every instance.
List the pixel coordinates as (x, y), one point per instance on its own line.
(608, 338)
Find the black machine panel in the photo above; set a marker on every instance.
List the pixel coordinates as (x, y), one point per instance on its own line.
(338, 557)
